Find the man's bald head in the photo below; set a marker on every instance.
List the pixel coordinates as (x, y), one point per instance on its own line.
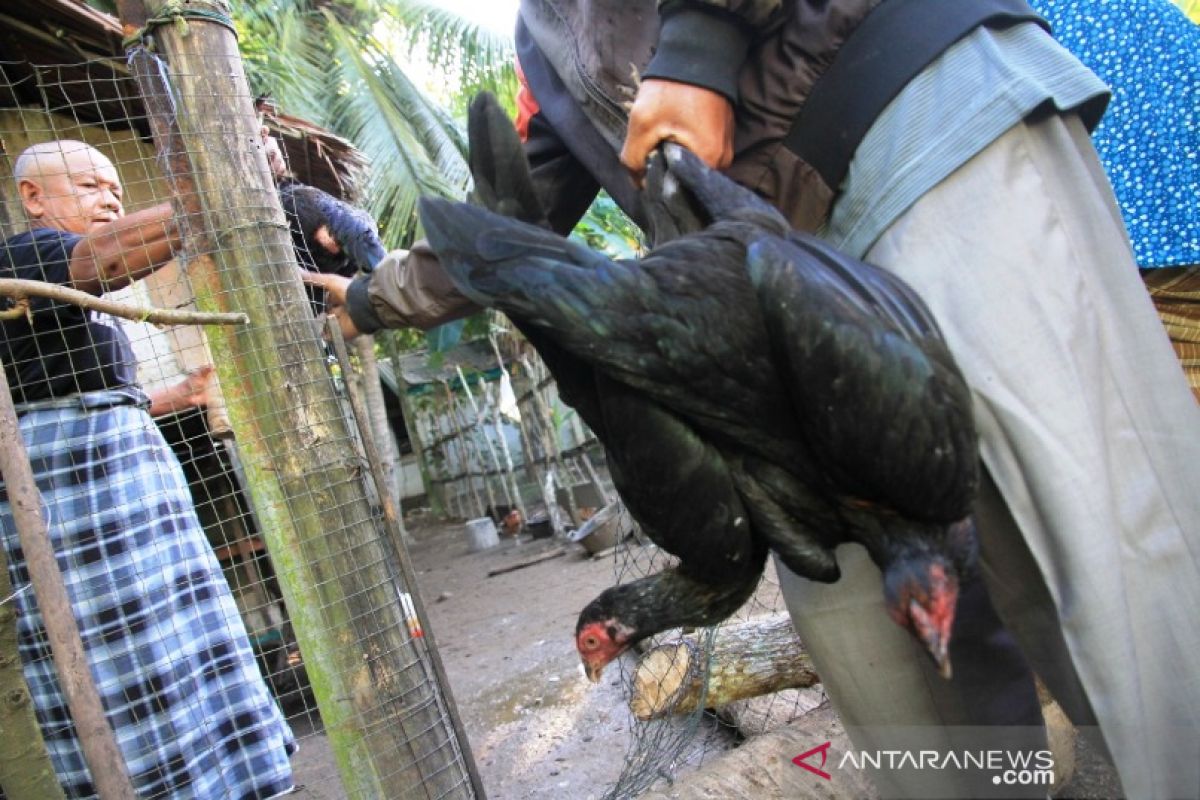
(68, 185)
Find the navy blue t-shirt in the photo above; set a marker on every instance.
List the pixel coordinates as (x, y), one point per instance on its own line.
(67, 349)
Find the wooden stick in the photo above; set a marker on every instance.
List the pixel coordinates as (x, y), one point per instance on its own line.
(749, 659)
(21, 290)
(528, 563)
(26, 772)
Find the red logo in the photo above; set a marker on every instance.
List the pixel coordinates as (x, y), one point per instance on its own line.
(823, 749)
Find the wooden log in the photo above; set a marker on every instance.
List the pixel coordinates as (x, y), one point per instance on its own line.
(749, 659)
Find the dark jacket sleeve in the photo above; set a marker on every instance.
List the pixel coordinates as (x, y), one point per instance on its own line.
(705, 43)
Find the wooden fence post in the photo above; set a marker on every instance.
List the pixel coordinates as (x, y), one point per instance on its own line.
(387, 722)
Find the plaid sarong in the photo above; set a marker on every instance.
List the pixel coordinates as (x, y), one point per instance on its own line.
(164, 640)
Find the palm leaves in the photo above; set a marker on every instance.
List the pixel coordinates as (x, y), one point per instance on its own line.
(333, 63)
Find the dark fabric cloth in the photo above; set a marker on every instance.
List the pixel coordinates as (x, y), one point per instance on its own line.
(569, 157)
(65, 349)
(893, 44)
(161, 632)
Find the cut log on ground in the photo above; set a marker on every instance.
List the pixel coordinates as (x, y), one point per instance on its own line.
(763, 768)
(755, 716)
(749, 659)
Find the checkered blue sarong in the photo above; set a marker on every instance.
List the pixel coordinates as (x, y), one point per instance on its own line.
(166, 646)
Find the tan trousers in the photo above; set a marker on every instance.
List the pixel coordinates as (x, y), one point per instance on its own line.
(1092, 443)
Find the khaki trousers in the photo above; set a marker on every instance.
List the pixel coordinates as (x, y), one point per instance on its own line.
(1090, 518)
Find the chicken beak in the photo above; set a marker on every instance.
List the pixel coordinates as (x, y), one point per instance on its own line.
(593, 671)
(933, 636)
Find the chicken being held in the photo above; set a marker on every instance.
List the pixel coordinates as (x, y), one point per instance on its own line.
(329, 234)
(658, 464)
(754, 389)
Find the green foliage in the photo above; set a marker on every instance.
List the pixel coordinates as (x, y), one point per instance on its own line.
(472, 58)
(335, 63)
(332, 62)
(606, 228)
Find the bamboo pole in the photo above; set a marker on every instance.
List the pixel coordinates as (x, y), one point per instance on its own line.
(509, 472)
(464, 446)
(436, 459)
(496, 420)
(474, 456)
(387, 736)
(552, 451)
(481, 427)
(110, 774)
(394, 527)
(527, 437)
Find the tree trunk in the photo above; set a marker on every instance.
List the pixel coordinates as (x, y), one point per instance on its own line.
(380, 429)
(749, 659)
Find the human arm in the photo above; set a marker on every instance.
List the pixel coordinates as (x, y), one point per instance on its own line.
(689, 88)
(275, 160)
(124, 250)
(407, 289)
(191, 392)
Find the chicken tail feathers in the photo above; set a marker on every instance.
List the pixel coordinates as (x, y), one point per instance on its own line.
(500, 262)
(503, 182)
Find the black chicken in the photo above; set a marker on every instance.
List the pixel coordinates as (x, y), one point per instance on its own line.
(329, 235)
(753, 388)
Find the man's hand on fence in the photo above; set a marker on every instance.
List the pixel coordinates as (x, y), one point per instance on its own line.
(335, 287)
(274, 155)
(191, 392)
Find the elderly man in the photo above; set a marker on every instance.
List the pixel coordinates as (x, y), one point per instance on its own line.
(164, 641)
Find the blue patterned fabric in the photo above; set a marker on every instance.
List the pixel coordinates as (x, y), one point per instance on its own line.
(1148, 52)
(163, 637)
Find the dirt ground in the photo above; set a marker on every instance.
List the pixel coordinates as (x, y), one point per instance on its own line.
(537, 728)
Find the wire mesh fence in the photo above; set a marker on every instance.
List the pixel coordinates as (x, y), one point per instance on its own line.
(260, 507)
(266, 574)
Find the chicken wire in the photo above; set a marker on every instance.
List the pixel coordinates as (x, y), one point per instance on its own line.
(357, 595)
(660, 750)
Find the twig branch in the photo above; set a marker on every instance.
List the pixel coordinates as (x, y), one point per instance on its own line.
(21, 290)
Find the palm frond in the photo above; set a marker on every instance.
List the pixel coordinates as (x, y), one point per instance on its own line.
(413, 145)
(472, 57)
